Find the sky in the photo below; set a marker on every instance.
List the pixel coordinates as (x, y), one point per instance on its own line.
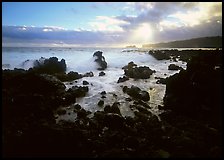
(107, 24)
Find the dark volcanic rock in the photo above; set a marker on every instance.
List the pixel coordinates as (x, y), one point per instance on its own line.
(132, 71)
(100, 103)
(50, 66)
(102, 73)
(103, 93)
(85, 83)
(68, 77)
(159, 55)
(161, 80)
(137, 93)
(196, 92)
(78, 91)
(88, 74)
(122, 79)
(174, 67)
(100, 60)
(112, 109)
(114, 120)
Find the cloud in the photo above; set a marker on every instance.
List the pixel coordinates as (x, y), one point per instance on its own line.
(50, 35)
(175, 20)
(110, 24)
(142, 22)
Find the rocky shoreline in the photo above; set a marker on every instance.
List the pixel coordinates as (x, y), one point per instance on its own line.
(190, 125)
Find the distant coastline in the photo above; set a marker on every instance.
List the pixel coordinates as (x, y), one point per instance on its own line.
(203, 42)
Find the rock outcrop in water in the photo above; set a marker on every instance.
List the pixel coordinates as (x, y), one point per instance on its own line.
(137, 93)
(174, 67)
(50, 66)
(30, 102)
(100, 60)
(132, 71)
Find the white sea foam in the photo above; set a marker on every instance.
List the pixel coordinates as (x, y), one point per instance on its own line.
(81, 60)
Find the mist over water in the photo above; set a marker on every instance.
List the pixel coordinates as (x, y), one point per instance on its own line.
(81, 60)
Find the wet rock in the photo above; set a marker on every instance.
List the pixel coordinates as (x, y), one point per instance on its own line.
(50, 66)
(128, 99)
(115, 108)
(122, 79)
(88, 74)
(161, 80)
(174, 67)
(130, 65)
(107, 108)
(103, 97)
(160, 107)
(137, 93)
(144, 95)
(125, 88)
(82, 113)
(114, 120)
(102, 74)
(74, 75)
(103, 93)
(85, 83)
(112, 109)
(139, 72)
(99, 58)
(100, 103)
(159, 55)
(61, 112)
(77, 107)
(78, 91)
(68, 77)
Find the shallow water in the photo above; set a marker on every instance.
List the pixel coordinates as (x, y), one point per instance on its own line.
(81, 60)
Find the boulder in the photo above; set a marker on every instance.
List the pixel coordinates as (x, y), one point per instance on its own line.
(112, 109)
(99, 58)
(159, 55)
(122, 79)
(100, 103)
(142, 72)
(137, 93)
(174, 67)
(49, 66)
(85, 83)
(88, 74)
(78, 91)
(102, 73)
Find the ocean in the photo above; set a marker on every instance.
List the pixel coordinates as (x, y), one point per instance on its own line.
(81, 60)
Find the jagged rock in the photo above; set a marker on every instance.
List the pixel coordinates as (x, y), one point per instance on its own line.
(100, 60)
(159, 55)
(78, 91)
(122, 79)
(102, 74)
(88, 74)
(100, 103)
(174, 67)
(85, 83)
(68, 77)
(137, 93)
(77, 107)
(49, 66)
(132, 71)
(112, 109)
(103, 93)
